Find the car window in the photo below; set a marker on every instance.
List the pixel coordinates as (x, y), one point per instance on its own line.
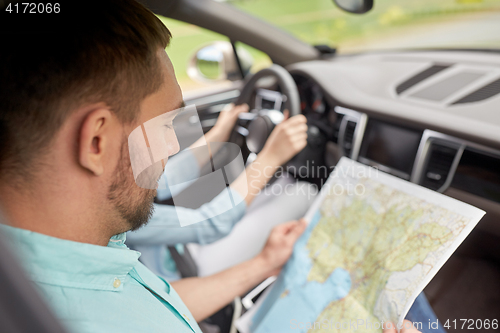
(187, 39)
(391, 24)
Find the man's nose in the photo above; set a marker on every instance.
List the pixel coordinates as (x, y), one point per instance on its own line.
(172, 143)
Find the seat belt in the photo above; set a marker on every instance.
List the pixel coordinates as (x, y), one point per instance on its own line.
(184, 262)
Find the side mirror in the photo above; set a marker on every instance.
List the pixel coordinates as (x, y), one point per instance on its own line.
(355, 6)
(216, 62)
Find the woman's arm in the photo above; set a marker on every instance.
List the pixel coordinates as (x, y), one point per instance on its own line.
(220, 132)
(164, 227)
(286, 140)
(188, 163)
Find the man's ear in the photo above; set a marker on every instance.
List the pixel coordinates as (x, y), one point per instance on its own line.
(94, 139)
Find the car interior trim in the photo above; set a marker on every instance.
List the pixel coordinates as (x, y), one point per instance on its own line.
(214, 99)
(282, 47)
(430, 137)
(360, 119)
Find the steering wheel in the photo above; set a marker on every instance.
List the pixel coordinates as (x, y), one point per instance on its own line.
(256, 127)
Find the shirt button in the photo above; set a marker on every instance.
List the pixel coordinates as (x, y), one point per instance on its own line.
(117, 283)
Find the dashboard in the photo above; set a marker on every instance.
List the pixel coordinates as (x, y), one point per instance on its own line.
(424, 141)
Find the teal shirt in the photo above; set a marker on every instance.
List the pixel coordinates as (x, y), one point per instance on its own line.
(95, 288)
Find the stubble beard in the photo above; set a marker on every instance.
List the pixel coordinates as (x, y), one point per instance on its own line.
(133, 204)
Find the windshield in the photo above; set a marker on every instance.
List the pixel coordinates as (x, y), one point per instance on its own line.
(391, 24)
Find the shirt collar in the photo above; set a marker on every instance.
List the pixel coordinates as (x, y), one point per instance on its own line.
(66, 263)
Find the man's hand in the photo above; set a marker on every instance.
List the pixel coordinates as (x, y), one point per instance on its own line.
(206, 295)
(225, 123)
(407, 328)
(286, 140)
(279, 245)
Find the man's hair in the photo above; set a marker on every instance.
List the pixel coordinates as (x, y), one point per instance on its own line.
(94, 51)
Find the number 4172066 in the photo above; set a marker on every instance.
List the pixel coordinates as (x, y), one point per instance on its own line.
(471, 324)
(33, 8)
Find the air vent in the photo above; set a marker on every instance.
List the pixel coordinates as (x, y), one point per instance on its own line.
(349, 137)
(420, 77)
(336, 127)
(351, 131)
(442, 89)
(481, 94)
(438, 166)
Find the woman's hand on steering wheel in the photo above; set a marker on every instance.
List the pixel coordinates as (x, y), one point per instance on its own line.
(225, 123)
(286, 140)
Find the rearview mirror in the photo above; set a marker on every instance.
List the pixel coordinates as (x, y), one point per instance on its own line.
(217, 62)
(354, 6)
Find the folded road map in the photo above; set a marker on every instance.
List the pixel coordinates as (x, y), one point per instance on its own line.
(373, 243)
